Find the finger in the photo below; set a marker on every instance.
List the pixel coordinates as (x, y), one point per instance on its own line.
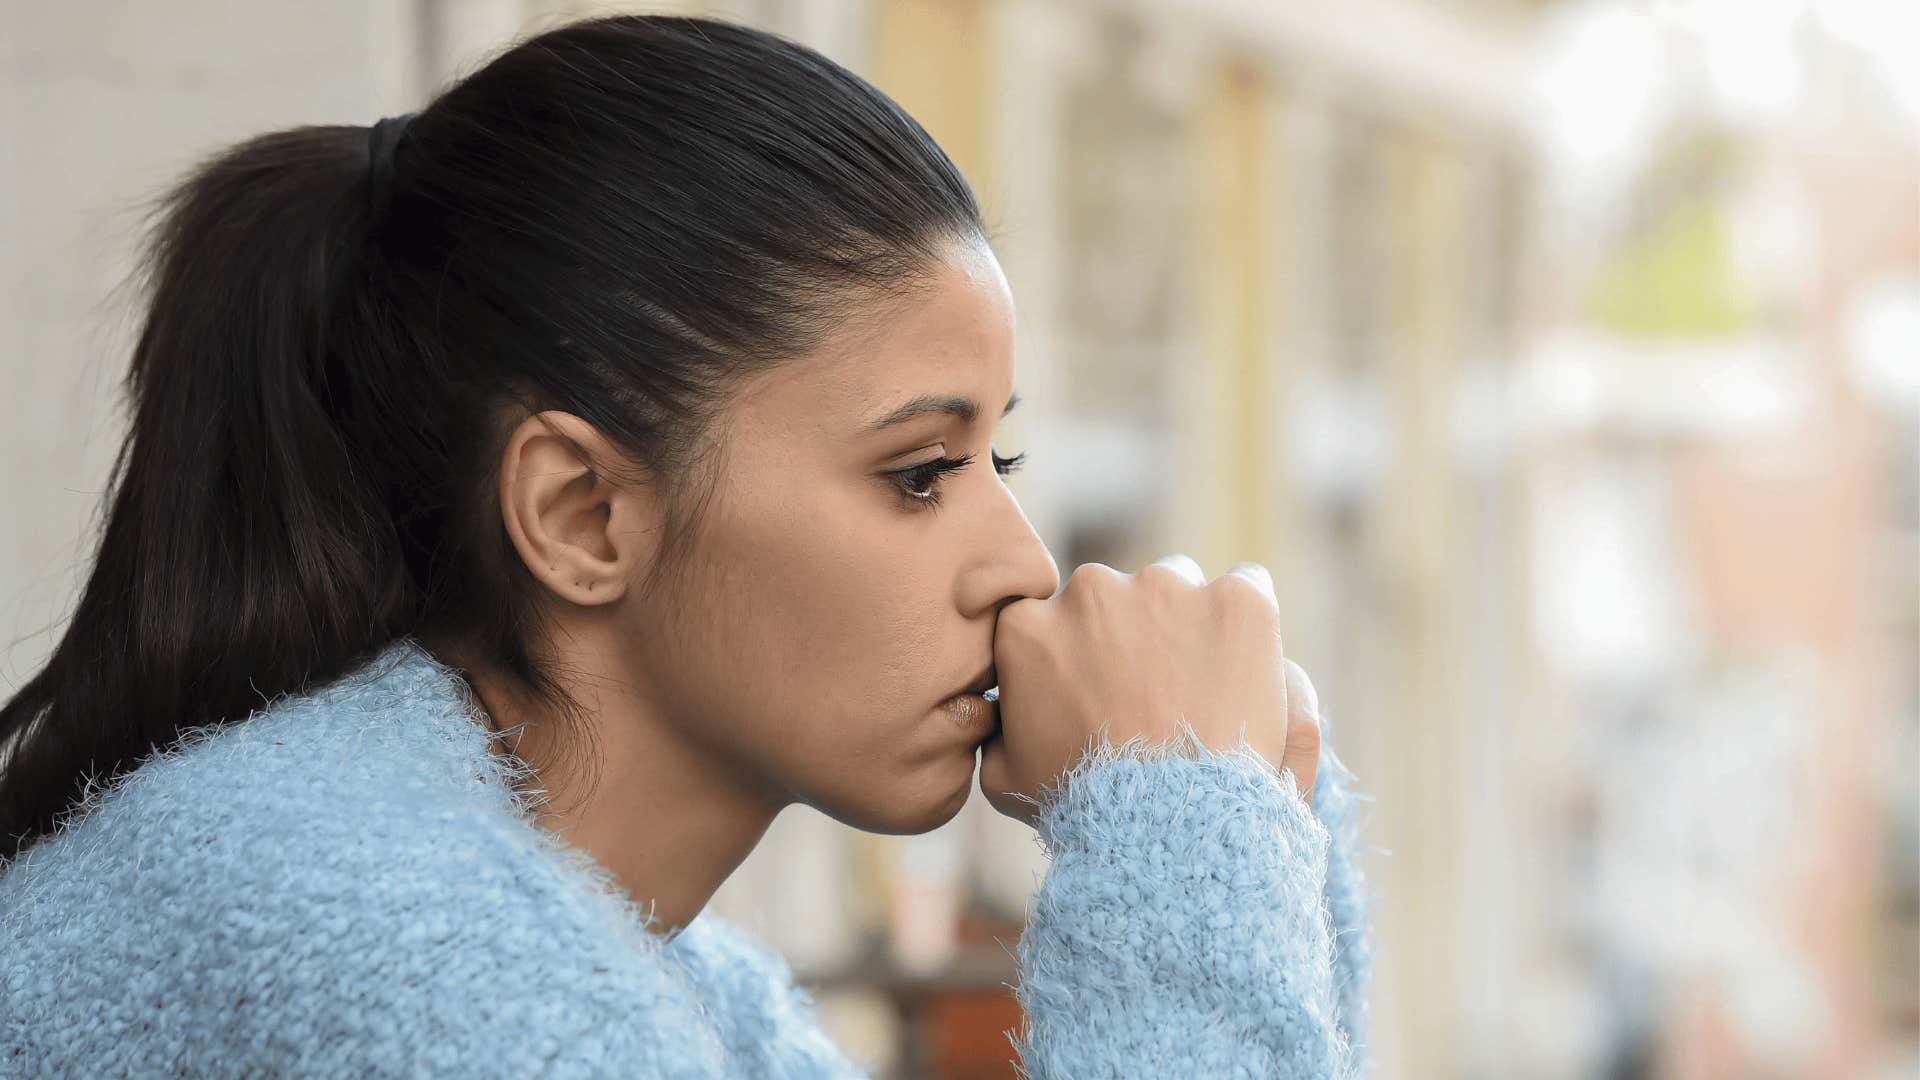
(1302, 754)
(1184, 566)
(1302, 698)
(1259, 575)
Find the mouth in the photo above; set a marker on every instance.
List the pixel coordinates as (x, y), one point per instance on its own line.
(976, 714)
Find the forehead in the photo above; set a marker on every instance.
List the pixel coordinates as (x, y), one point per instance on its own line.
(956, 336)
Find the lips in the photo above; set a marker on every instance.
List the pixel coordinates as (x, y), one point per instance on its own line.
(975, 713)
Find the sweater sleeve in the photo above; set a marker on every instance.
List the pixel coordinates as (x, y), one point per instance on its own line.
(1196, 911)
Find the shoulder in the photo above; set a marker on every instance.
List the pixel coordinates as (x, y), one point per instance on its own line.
(732, 963)
(339, 887)
(768, 1021)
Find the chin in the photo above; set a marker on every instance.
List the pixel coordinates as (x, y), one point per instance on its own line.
(922, 812)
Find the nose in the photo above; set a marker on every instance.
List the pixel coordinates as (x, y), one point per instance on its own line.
(1010, 563)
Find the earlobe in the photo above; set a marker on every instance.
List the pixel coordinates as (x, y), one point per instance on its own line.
(569, 524)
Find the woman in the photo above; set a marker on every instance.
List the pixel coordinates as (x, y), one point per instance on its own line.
(529, 498)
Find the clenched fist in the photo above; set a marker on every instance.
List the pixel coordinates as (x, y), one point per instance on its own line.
(1140, 652)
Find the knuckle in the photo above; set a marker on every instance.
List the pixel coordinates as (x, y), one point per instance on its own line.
(1162, 574)
(1255, 572)
(1090, 575)
(1244, 589)
(1094, 585)
(1246, 607)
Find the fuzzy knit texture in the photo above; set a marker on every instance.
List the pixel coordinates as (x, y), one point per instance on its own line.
(350, 884)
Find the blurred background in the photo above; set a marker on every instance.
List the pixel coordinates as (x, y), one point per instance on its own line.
(1561, 358)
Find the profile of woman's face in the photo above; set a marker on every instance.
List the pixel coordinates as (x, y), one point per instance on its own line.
(829, 608)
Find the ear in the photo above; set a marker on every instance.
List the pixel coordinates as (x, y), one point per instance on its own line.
(581, 535)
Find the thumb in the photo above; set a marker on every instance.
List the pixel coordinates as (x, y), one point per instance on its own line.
(1301, 755)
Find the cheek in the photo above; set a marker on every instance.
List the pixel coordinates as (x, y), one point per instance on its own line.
(843, 643)
(839, 586)
(857, 622)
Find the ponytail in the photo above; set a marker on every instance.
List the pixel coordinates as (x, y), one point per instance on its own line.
(242, 535)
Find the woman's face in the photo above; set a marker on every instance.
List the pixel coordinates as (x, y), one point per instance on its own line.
(828, 611)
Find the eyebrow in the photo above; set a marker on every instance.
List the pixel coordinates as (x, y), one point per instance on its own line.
(965, 408)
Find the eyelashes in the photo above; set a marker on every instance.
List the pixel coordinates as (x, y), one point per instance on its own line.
(920, 485)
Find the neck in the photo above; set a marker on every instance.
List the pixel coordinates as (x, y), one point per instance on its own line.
(670, 819)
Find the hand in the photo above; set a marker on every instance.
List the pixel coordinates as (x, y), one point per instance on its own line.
(1139, 652)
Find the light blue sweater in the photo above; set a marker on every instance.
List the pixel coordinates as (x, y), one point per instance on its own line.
(347, 885)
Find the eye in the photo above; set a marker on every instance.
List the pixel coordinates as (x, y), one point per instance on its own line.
(919, 485)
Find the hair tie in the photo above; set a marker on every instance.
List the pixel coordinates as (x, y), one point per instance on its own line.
(382, 139)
